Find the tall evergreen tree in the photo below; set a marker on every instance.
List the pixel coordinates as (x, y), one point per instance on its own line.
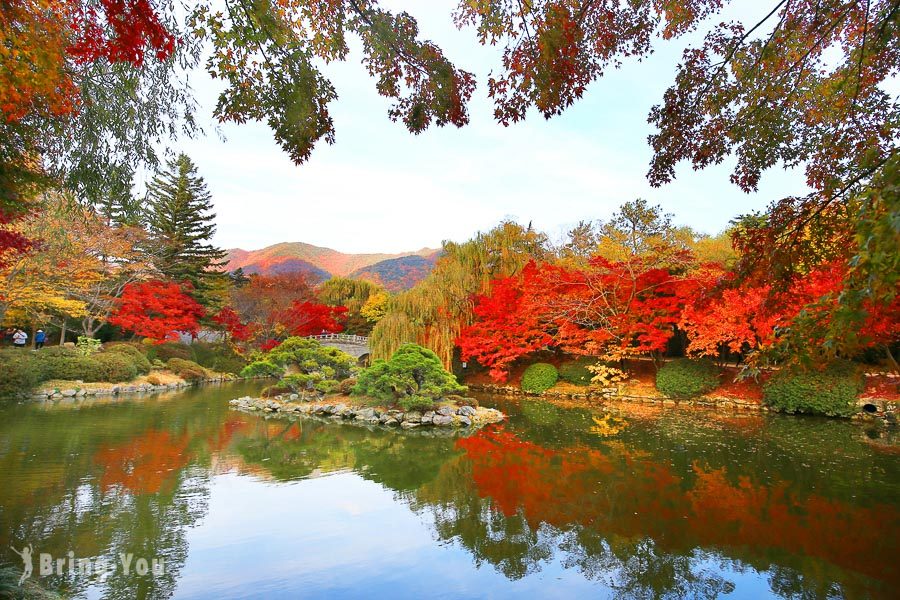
(181, 223)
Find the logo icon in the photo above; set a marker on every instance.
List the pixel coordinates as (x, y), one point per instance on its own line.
(27, 562)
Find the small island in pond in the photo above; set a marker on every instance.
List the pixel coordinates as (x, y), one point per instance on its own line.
(410, 390)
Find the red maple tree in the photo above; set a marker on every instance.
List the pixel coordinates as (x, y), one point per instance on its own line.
(231, 322)
(157, 310)
(506, 327)
(311, 318)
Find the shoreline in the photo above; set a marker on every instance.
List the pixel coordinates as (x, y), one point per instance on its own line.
(359, 411)
(881, 409)
(80, 389)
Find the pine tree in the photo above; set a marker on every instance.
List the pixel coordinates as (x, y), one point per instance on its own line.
(181, 223)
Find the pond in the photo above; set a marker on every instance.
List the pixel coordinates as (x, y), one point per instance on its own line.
(640, 502)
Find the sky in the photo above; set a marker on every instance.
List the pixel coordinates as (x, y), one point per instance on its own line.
(381, 189)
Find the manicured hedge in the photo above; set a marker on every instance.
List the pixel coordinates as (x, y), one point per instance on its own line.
(134, 354)
(20, 372)
(72, 368)
(832, 391)
(539, 377)
(116, 367)
(576, 371)
(687, 378)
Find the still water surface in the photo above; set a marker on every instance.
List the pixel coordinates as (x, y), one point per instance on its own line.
(556, 502)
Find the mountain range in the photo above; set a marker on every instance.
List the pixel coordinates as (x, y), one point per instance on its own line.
(393, 271)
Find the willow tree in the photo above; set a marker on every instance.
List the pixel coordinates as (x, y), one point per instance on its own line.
(433, 312)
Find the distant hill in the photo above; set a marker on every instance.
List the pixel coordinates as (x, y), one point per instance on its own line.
(397, 274)
(394, 271)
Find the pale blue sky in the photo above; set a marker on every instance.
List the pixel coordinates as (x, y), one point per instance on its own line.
(381, 189)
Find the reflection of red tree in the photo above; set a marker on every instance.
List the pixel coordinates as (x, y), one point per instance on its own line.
(221, 438)
(622, 493)
(145, 464)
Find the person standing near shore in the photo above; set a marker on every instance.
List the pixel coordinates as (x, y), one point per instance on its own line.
(39, 338)
(8, 335)
(19, 338)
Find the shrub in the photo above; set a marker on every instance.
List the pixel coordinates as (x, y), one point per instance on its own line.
(167, 351)
(154, 380)
(539, 377)
(347, 385)
(87, 346)
(116, 366)
(20, 372)
(218, 357)
(306, 366)
(74, 367)
(58, 351)
(577, 371)
(416, 403)
(413, 375)
(137, 358)
(262, 368)
(187, 369)
(686, 378)
(831, 392)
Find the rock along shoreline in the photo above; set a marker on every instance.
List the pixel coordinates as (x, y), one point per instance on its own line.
(348, 410)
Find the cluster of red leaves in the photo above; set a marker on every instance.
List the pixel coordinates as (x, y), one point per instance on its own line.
(622, 308)
(311, 318)
(126, 29)
(505, 328)
(12, 243)
(269, 344)
(157, 310)
(738, 319)
(231, 322)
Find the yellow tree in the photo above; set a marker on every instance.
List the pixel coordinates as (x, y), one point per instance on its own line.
(76, 269)
(38, 283)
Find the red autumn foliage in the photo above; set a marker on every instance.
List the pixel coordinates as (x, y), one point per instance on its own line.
(750, 316)
(614, 308)
(125, 30)
(269, 344)
(231, 322)
(311, 318)
(505, 326)
(157, 310)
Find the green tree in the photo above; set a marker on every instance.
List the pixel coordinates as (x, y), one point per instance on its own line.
(181, 224)
(413, 378)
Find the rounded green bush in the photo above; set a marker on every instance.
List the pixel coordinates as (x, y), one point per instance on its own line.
(20, 372)
(686, 378)
(135, 356)
(116, 366)
(71, 368)
(831, 392)
(539, 377)
(413, 376)
(576, 371)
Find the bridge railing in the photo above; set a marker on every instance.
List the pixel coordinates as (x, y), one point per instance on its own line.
(341, 337)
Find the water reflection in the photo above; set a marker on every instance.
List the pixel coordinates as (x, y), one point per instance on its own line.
(637, 503)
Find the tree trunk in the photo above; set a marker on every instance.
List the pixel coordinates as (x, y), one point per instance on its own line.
(62, 333)
(891, 359)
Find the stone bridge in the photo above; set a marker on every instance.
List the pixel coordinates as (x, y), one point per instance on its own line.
(356, 346)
